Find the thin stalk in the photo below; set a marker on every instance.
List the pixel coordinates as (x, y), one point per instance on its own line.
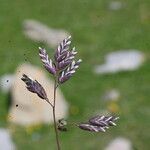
(49, 102)
(54, 117)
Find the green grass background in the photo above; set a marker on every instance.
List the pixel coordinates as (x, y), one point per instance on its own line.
(96, 30)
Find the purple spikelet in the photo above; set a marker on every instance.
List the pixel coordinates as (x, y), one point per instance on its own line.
(69, 71)
(62, 49)
(48, 64)
(34, 86)
(63, 56)
(103, 120)
(99, 123)
(89, 127)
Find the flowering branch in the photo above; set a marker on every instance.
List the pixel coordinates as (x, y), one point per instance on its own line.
(63, 67)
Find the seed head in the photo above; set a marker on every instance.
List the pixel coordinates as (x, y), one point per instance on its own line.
(99, 123)
(34, 86)
(64, 64)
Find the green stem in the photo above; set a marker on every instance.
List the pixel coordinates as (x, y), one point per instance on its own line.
(54, 117)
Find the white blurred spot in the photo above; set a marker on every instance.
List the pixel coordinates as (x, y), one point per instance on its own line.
(111, 95)
(6, 82)
(123, 60)
(39, 32)
(115, 5)
(5, 140)
(119, 144)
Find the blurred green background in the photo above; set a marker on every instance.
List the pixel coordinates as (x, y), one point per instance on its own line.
(96, 30)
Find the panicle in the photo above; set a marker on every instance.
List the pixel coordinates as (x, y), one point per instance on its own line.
(98, 123)
(64, 64)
